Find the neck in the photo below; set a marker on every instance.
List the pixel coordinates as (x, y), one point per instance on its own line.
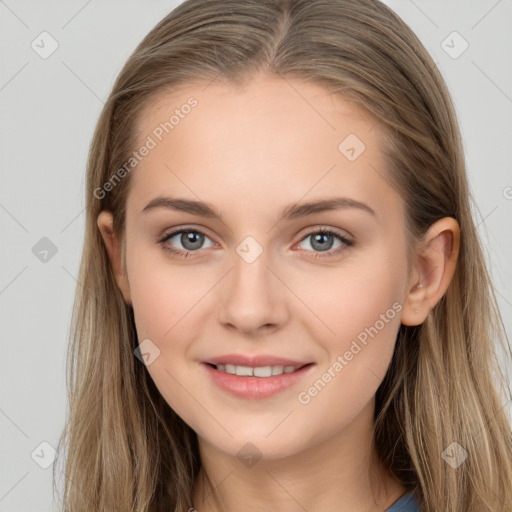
(340, 470)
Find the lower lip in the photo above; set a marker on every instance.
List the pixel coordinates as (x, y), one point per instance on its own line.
(255, 387)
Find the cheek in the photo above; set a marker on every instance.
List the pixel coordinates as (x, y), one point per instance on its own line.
(337, 309)
(360, 309)
(155, 301)
(163, 293)
(359, 326)
(163, 298)
(340, 302)
(358, 357)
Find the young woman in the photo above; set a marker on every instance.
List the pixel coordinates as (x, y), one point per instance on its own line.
(283, 301)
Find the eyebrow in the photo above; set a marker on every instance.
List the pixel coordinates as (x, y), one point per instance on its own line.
(292, 211)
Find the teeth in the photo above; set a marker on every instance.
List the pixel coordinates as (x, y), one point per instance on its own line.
(244, 371)
(263, 371)
(277, 370)
(259, 371)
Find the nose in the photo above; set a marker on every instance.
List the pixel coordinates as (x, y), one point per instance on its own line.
(253, 298)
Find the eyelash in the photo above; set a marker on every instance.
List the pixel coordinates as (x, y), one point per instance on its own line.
(324, 231)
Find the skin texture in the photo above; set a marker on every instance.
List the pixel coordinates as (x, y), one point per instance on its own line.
(249, 152)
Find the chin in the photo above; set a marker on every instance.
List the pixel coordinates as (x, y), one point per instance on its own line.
(252, 445)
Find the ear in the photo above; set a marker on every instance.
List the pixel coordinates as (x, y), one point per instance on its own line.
(435, 262)
(106, 226)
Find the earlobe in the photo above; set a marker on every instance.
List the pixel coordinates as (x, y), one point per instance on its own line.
(105, 223)
(435, 263)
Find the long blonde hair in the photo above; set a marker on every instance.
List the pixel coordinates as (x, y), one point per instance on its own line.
(126, 448)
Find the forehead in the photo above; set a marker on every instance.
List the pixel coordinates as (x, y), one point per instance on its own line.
(271, 137)
(243, 104)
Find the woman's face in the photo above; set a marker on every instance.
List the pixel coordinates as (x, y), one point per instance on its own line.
(260, 280)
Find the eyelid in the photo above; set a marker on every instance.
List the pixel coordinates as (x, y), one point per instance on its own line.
(200, 229)
(347, 242)
(323, 228)
(170, 232)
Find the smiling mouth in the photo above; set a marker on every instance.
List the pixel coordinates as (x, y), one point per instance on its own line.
(257, 371)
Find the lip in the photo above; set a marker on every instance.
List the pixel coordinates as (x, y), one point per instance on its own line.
(254, 360)
(256, 388)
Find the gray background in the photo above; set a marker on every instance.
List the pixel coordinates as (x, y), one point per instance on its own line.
(48, 109)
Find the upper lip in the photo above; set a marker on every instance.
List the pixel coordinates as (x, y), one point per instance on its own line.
(254, 360)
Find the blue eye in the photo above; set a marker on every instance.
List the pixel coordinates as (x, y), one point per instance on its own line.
(323, 239)
(192, 240)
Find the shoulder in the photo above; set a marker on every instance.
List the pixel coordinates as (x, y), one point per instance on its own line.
(407, 503)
